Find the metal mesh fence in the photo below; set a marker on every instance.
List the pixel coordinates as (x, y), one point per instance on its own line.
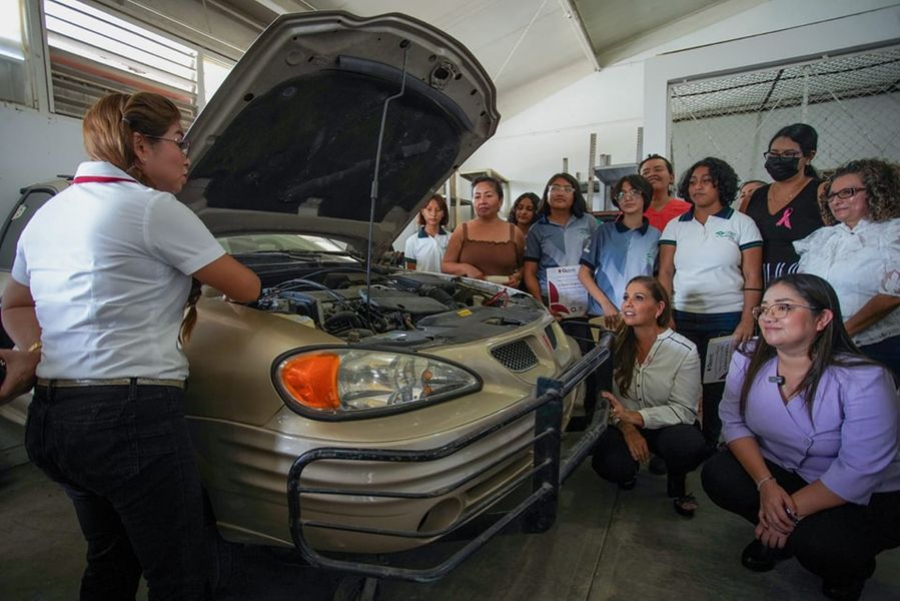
(853, 101)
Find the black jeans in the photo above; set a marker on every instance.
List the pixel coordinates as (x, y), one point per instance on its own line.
(124, 457)
(700, 328)
(681, 447)
(838, 545)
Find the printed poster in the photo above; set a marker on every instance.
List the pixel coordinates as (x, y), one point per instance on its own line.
(718, 358)
(565, 293)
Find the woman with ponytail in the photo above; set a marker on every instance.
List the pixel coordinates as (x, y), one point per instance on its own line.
(95, 305)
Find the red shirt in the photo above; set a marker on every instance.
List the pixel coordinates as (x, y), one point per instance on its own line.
(674, 208)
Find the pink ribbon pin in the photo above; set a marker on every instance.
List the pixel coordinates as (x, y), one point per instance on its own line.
(785, 219)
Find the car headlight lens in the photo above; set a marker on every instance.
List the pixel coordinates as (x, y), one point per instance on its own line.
(345, 383)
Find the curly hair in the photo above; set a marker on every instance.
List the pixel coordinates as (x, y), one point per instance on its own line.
(882, 182)
(535, 202)
(724, 179)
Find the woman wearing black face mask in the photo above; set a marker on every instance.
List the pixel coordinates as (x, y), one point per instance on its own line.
(787, 210)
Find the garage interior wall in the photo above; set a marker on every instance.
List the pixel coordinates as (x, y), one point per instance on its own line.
(535, 135)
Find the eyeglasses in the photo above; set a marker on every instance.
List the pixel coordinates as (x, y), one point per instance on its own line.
(632, 193)
(777, 311)
(787, 154)
(566, 189)
(183, 145)
(843, 193)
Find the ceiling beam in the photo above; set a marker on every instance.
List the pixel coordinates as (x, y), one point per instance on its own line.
(571, 13)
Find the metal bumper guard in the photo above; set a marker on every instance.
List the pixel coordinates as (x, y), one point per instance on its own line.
(539, 509)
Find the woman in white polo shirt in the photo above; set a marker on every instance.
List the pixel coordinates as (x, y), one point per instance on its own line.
(425, 249)
(710, 261)
(96, 300)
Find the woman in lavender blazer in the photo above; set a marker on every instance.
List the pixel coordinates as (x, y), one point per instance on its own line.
(811, 426)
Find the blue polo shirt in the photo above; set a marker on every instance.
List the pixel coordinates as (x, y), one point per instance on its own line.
(552, 245)
(616, 255)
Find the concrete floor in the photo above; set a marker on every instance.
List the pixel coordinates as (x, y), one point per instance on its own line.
(607, 544)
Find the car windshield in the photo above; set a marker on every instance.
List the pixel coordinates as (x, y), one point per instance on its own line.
(288, 243)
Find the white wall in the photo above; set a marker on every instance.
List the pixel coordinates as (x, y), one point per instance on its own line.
(36, 147)
(530, 147)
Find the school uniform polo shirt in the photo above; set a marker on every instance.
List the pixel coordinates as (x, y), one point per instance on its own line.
(552, 245)
(708, 277)
(426, 252)
(617, 254)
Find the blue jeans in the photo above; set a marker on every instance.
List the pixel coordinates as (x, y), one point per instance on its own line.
(124, 457)
(700, 328)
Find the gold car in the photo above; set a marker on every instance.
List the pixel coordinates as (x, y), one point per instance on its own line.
(353, 407)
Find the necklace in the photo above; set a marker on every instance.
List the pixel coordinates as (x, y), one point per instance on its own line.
(780, 204)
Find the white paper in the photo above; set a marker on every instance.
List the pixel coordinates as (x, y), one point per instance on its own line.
(718, 358)
(566, 294)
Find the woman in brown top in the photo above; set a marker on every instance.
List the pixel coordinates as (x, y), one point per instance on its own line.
(487, 246)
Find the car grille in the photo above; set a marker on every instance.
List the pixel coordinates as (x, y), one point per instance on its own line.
(516, 356)
(551, 335)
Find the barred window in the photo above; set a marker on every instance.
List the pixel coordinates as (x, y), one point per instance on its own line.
(93, 53)
(15, 82)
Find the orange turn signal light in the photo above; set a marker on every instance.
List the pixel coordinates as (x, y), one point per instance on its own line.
(312, 380)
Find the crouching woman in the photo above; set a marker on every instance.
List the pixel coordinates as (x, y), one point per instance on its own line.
(656, 392)
(811, 427)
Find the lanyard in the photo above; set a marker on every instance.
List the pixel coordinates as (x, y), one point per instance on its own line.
(98, 179)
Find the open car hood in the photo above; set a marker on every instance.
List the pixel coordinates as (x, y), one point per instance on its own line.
(289, 141)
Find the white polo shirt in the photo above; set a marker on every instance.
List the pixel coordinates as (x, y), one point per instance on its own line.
(708, 277)
(426, 252)
(108, 264)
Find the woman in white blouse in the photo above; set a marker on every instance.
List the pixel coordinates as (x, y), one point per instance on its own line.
(656, 392)
(860, 255)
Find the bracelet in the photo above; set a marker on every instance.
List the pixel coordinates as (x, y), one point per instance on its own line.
(35, 347)
(793, 516)
(763, 481)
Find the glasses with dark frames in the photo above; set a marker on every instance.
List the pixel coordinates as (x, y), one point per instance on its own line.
(843, 193)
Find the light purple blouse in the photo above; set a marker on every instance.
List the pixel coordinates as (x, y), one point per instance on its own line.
(851, 442)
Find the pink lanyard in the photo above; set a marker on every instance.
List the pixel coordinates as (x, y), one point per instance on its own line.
(98, 179)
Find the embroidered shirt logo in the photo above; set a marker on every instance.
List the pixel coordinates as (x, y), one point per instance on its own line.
(724, 234)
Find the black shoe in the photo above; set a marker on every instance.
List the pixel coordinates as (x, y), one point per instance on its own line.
(685, 506)
(657, 466)
(759, 558)
(628, 484)
(843, 591)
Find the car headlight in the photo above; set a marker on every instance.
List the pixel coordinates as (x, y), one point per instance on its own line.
(348, 383)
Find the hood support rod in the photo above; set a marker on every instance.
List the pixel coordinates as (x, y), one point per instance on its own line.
(405, 44)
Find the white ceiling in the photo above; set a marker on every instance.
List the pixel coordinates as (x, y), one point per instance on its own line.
(523, 41)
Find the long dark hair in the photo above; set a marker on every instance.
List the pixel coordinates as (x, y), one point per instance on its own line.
(535, 202)
(442, 205)
(579, 206)
(626, 341)
(806, 137)
(831, 346)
